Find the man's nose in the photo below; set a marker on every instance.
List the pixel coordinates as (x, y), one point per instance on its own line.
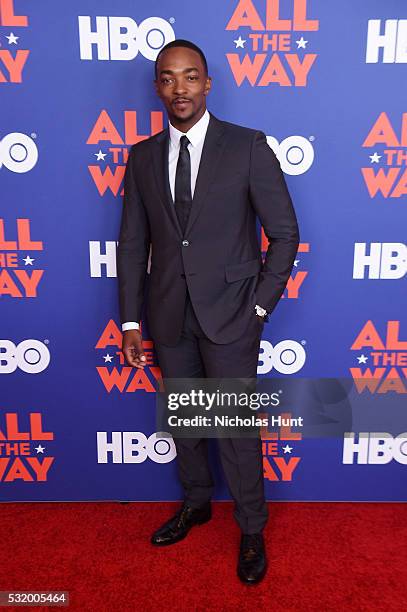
(180, 87)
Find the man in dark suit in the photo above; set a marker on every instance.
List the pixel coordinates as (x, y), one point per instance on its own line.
(193, 192)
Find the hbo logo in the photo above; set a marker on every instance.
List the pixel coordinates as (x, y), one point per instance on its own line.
(295, 153)
(120, 38)
(287, 357)
(134, 447)
(376, 448)
(31, 356)
(384, 260)
(18, 152)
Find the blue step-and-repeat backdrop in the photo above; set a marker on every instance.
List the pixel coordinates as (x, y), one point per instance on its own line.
(326, 81)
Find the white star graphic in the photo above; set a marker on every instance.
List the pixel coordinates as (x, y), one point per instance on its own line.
(12, 40)
(362, 359)
(374, 159)
(287, 449)
(301, 43)
(100, 156)
(108, 358)
(239, 42)
(28, 260)
(296, 262)
(40, 449)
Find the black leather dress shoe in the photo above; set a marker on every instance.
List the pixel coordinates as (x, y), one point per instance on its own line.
(179, 525)
(252, 564)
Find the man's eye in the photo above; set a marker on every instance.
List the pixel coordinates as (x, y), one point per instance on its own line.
(194, 78)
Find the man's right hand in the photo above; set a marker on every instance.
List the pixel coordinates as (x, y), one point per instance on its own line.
(132, 348)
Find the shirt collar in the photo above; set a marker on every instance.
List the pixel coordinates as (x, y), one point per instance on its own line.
(195, 134)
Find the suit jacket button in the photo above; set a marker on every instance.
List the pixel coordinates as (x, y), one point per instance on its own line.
(185, 243)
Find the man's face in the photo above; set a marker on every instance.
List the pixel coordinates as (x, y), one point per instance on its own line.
(182, 85)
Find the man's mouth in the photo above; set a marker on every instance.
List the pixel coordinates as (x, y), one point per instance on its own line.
(181, 103)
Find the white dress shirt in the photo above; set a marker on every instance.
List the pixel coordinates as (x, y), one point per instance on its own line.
(196, 136)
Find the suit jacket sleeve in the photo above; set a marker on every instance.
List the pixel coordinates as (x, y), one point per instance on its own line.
(272, 202)
(134, 247)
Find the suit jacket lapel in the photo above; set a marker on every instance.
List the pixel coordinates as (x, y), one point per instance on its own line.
(160, 165)
(211, 152)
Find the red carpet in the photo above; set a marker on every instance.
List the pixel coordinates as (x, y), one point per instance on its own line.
(322, 556)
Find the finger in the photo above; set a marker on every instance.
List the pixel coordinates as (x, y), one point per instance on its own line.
(131, 361)
(140, 364)
(141, 361)
(130, 357)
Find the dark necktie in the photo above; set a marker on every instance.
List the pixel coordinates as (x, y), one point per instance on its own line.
(183, 195)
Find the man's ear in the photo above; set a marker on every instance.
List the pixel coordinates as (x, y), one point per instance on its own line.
(208, 85)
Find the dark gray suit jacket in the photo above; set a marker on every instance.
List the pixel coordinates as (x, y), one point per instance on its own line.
(219, 257)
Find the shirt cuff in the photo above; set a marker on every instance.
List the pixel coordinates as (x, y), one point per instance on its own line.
(130, 325)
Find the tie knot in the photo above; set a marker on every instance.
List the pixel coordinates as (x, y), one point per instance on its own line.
(184, 142)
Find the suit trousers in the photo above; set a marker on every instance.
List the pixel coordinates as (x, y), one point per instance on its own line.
(195, 356)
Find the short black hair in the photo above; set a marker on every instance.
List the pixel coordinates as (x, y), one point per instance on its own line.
(180, 42)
